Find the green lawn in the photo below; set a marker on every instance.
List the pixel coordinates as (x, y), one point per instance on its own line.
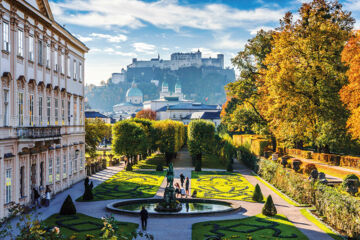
(151, 162)
(259, 227)
(123, 185)
(221, 185)
(82, 225)
(212, 161)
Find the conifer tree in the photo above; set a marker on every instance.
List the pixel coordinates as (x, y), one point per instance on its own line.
(269, 208)
(258, 196)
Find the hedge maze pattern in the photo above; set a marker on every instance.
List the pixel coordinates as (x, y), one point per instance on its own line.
(222, 186)
(126, 185)
(78, 226)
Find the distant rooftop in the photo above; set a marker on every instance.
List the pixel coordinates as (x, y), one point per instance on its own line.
(189, 106)
(94, 114)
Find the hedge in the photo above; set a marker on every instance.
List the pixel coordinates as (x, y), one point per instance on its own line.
(340, 210)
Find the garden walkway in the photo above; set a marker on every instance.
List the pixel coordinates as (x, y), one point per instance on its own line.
(180, 228)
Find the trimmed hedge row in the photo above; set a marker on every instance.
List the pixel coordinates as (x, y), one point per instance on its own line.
(332, 159)
(256, 143)
(340, 210)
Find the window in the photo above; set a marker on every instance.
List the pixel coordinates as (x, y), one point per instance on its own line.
(62, 111)
(80, 72)
(69, 109)
(75, 112)
(40, 53)
(57, 176)
(6, 107)
(56, 111)
(22, 181)
(81, 111)
(40, 110)
(81, 160)
(48, 103)
(31, 48)
(70, 164)
(68, 67)
(48, 56)
(74, 70)
(56, 67)
(50, 170)
(62, 63)
(31, 101)
(8, 185)
(76, 155)
(64, 166)
(6, 39)
(20, 43)
(21, 108)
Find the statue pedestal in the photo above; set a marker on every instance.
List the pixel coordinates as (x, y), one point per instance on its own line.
(169, 204)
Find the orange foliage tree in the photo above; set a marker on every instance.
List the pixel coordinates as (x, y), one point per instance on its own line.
(147, 114)
(350, 93)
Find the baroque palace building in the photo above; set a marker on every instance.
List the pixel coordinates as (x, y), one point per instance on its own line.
(42, 131)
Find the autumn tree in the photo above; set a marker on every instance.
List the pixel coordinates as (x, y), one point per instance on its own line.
(147, 114)
(96, 130)
(350, 93)
(241, 112)
(303, 75)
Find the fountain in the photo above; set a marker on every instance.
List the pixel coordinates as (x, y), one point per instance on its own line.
(169, 203)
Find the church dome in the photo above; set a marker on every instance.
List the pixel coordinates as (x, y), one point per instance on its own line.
(134, 92)
(177, 85)
(165, 84)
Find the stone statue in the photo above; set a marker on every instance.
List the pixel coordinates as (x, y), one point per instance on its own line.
(170, 176)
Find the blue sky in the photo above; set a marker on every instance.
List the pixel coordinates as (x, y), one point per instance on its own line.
(118, 30)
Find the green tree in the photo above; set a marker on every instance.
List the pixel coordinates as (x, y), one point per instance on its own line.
(242, 112)
(201, 136)
(303, 76)
(129, 139)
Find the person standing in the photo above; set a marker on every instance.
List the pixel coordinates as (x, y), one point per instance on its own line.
(144, 216)
(47, 195)
(182, 179)
(36, 198)
(187, 185)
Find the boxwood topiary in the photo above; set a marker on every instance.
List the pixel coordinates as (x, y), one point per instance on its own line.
(258, 196)
(68, 207)
(269, 208)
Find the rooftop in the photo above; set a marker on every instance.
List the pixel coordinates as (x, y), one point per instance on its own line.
(94, 114)
(189, 106)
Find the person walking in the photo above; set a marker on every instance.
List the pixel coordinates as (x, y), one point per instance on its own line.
(144, 216)
(187, 185)
(47, 195)
(36, 198)
(182, 179)
(177, 189)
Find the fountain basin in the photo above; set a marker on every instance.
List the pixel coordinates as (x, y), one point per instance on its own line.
(189, 207)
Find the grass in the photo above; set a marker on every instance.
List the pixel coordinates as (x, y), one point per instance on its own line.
(212, 161)
(221, 185)
(151, 162)
(257, 227)
(124, 185)
(82, 225)
(320, 224)
(278, 192)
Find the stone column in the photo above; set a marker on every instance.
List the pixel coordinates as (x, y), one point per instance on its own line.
(16, 177)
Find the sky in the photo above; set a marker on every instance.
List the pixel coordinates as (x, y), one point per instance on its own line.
(118, 30)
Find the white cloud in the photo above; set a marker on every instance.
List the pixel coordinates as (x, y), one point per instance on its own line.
(225, 42)
(167, 14)
(165, 49)
(109, 50)
(125, 54)
(110, 38)
(83, 39)
(255, 30)
(144, 47)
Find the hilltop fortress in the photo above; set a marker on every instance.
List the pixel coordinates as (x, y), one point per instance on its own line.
(146, 70)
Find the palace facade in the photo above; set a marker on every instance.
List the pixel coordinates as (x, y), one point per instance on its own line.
(42, 131)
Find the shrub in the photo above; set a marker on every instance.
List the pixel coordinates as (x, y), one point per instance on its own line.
(309, 168)
(269, 208)
(68, 207)
(351, 184)
(258, 196)
(159, 168)
(296, 164)
(128, 167)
